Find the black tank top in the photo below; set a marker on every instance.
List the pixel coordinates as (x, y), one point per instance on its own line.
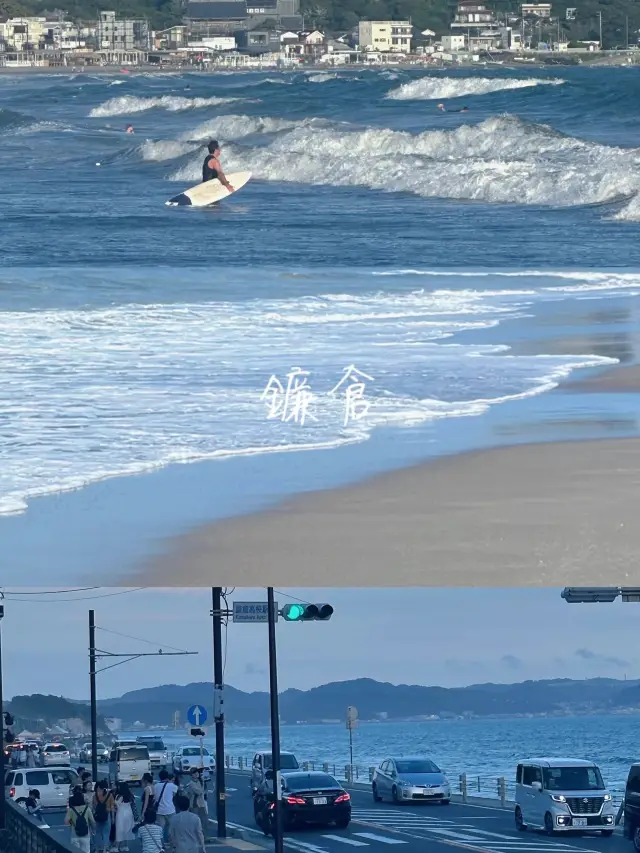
(208, 174)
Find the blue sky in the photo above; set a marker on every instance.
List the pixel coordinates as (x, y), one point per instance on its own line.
(446, 636)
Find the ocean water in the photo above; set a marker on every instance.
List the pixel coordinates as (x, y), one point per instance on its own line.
(483, 749)
(425, 258)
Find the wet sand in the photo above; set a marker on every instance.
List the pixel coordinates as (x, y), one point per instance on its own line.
(529, 515)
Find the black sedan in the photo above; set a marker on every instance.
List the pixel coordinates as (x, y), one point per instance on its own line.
(307, 798)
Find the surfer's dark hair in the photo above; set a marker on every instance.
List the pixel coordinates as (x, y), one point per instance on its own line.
(213, 146)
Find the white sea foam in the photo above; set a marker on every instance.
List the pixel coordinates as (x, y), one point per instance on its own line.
(130, 104)
(89, 394)
(432, 88)
(321, 77)
(500, 160)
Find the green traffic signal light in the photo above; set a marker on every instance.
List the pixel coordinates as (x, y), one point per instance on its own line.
(293, 612)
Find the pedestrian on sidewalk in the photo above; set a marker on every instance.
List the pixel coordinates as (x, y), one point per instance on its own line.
(80, 819)
(185, 829)
(148, 798)
(32, 805)
(31, 755)
(197, 799)
(125, 818)
(164, 792)
(150, 834)
(103, 809)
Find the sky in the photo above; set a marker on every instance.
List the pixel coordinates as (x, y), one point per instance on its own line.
(448, 637)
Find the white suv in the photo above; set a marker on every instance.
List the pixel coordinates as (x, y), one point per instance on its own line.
(562, 795)
(53, 783)
(54, 754)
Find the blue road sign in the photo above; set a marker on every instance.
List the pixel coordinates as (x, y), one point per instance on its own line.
(197, 715)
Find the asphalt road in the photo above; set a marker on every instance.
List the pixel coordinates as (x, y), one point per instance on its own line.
(382, 826)
(408, 829)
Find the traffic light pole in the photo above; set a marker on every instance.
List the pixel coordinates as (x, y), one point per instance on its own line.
(218, 678)
(275, 724)
(94, 697)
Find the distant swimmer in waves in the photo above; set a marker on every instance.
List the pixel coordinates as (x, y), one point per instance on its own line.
(129, 128)
(211, 167)
(445, 110)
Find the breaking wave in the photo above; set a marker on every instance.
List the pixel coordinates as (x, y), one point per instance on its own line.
(230, 127)
(129, 104)
(10, 119)
(432, 88)
(501, 160)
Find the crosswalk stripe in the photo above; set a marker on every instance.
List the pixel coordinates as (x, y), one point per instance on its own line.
(460, 836)
(383, 838)
(495, 835)
(343, 840)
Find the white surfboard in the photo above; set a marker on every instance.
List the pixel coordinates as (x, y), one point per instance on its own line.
(202, 195)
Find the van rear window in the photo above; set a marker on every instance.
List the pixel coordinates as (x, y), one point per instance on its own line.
(133, 753)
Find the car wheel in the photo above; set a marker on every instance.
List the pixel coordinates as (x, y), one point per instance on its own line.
(607, 833)
(636, 838)
(376, 796)
(342, 824)
(445, 802)
(394, 795)
(520, 824)
(548, 824)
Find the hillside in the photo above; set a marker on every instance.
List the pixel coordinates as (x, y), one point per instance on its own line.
(31, 711)
(156, 705)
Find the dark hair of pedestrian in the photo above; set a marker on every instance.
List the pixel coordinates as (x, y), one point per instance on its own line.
(124, 792)
(213, 146)
(103, 785)
(77, 798)
(150, 815)
(147, 778)
(163, 775)
(182, 803)
(85, 776)
(35, 793)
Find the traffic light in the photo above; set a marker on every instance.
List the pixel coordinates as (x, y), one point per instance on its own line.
(307, 612)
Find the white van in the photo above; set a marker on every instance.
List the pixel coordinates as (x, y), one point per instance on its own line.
(562, 795)
(52, 782)
(129, 763)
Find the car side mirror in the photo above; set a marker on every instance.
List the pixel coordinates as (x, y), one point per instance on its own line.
(537, 786)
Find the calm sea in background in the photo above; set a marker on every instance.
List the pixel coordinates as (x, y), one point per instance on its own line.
(444, 255)
(481, 748)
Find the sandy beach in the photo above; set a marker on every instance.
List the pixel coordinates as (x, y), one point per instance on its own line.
(530, 515)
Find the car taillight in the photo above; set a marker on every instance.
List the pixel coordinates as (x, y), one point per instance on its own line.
(296, 801)
(12, 792)
(343, 798)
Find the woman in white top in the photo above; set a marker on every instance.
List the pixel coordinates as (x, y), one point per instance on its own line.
(125, 818)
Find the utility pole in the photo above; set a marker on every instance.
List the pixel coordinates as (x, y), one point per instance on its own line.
(94, 698)
(600, 17)
(275, 724)
(626, 31)
(218, 710)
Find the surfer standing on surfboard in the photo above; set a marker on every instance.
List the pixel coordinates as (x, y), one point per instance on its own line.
(211, 167)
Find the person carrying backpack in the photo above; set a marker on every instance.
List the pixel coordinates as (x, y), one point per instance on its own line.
(103, 808)
(81, 820)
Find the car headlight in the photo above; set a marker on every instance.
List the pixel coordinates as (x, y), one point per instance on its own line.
(404, 784)
(607, 797)
(558, 798)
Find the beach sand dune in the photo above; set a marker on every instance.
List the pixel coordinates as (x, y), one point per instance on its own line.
(529, 515)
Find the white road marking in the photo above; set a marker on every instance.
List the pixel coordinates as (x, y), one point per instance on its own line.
(496, 835)
(343, 840)
(383, 838)
(459, 836)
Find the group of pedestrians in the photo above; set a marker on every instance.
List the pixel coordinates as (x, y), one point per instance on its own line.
(171, 817)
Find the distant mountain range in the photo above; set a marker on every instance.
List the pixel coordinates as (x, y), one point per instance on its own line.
(378, 701)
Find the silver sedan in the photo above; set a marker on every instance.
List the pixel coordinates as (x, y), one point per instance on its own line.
(410, 779)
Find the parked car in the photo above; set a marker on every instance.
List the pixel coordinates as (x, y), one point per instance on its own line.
(307, 798)
(262, 762)
(188, 757)
(158, 752)
(632, 806)
(101, 749)
(128, 763)
(413, 778)
(562, 795)
(53, 754)
(53, 784)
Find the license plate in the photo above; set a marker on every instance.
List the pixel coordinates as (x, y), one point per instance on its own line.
(134, 779)
(428, 793)
(579, 821)
(319, 801)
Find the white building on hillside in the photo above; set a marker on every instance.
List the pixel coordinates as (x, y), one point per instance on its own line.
(385, 36)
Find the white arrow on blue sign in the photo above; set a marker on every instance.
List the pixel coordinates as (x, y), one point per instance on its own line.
(197, 715)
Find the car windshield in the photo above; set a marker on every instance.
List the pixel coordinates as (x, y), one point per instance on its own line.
(417, 766)
(572, 779)
(99, 746)
(309, 781)
(194, 750)
(56, 747)
(287, 761)
(153, 744)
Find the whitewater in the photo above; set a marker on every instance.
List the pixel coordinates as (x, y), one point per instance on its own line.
(432, 251)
